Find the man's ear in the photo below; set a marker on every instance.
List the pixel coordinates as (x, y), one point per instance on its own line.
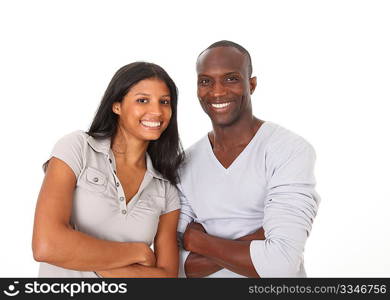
(116, 108)
(252, 84)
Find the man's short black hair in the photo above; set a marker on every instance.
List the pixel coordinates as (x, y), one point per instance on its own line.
(226, 43)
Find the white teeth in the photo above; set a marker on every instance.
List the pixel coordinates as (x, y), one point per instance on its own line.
(151, 124)
(220, 105)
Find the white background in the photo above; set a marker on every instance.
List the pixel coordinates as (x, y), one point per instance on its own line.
(323, 70)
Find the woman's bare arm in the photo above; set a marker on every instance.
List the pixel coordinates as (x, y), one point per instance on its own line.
(166, 251)
(55, 242)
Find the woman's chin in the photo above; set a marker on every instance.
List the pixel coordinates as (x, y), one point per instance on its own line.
(151, 136)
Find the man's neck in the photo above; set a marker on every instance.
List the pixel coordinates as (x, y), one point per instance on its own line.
(239, 134)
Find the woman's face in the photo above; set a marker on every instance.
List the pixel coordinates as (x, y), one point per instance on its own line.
(145, 111)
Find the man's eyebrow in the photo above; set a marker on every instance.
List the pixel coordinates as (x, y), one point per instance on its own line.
(225, 74)
(231, 73)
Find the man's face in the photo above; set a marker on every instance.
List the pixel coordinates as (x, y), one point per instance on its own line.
(224, 86)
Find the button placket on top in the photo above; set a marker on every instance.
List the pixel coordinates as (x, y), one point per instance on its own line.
(120, 192)
(126, 208)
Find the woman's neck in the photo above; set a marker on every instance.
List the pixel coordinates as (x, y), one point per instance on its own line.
(128, 149)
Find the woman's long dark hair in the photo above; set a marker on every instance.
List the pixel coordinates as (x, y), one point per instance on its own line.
(166, 152)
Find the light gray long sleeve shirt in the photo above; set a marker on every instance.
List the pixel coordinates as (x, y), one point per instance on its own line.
(270, 185)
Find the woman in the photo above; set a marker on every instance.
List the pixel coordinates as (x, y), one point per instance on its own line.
(108, 194)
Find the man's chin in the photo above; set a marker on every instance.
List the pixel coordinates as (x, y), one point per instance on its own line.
(221, 121)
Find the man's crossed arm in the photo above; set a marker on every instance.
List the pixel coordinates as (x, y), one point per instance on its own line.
(210, 254)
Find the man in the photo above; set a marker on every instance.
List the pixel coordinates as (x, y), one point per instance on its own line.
(247, 188)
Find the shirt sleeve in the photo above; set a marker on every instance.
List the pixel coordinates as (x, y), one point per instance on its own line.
(69, 149)
(187, 215)
(290, 208)
(183, 254)
(172, 199)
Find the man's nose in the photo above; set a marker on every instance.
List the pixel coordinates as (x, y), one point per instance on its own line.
(218, 90)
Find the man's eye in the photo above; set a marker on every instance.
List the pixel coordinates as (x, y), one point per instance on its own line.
(203, 81)
(142, 100)
(232, 79)
(167, 102)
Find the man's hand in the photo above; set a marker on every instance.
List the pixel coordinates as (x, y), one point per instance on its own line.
(257, 235)
(191, 235)
(196, 226)
(197, 265)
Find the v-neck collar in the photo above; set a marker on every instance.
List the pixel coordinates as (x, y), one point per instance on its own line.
(235, 162)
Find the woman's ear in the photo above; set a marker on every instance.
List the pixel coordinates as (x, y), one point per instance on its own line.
(116, 108)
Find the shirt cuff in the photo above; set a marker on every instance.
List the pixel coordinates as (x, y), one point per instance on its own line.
(269, 264)
(183, 222)
(182, 259)
(257, 252)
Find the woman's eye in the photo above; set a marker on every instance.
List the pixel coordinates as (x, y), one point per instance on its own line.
(167, 102)
(142, 100)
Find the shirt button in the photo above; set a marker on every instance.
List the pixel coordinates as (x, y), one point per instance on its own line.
(124, 211)
(110, 160)
(117, 184)
(95, 179)
(114, 172)
(121, 198)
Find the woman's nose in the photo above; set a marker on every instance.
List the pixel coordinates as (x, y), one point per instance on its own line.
(155, 109)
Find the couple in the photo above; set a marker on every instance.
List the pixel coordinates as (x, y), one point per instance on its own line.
(242, 199)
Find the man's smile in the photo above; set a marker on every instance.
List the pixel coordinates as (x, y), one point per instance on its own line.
(220, 106)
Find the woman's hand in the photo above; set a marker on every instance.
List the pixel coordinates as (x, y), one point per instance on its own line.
(165, 261)
(148, 259)
(56, 242)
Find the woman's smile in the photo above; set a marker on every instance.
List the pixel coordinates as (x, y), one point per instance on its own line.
(151, 124)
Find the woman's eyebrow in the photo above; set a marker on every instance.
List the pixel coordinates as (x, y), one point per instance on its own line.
(144, 94)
